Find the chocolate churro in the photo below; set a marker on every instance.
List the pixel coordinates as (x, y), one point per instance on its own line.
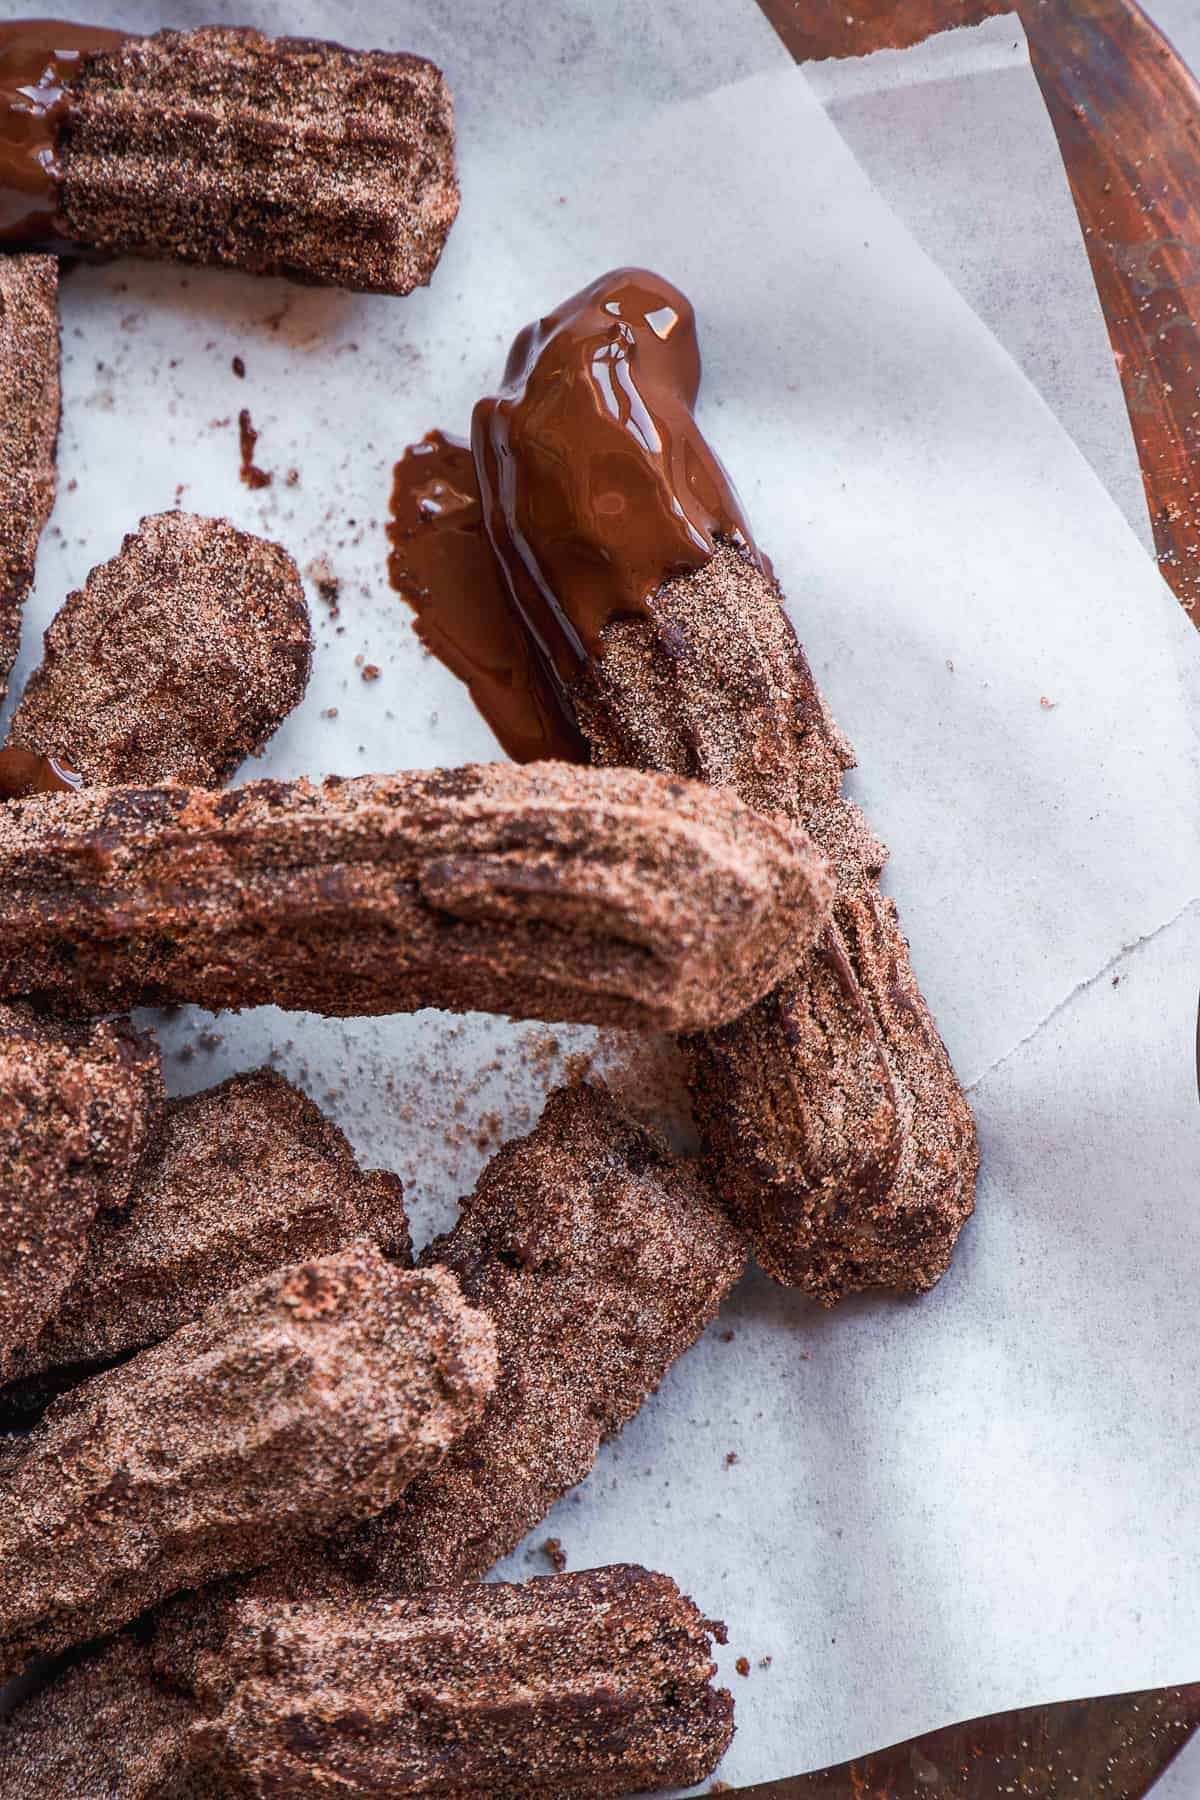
(550, 892)
(175, 661)
(29, 405)
(627, 606)
(294, 1405)
(575, 1686)
(238, 1180)
(284, 156)
(76, 1104)
(600, 1260)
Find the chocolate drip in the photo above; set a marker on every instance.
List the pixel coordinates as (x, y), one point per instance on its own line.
(442, 563)
(23, 773)
(588, 484)
(38, 58)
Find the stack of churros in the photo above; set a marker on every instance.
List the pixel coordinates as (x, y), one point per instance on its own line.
(256, 1462)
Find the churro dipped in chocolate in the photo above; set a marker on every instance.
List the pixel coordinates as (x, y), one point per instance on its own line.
(551, 892)
(600, 1259)
(296, 1404)
(29, 407)
(237, 1181)
(76, 1105)
(284, 156)
(175, 661)
(625, 609)
(592, 1683)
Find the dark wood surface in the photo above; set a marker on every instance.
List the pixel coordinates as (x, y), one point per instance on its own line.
(1127, 114)
(1110, 1749)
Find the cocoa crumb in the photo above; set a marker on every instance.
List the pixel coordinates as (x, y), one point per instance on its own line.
(555, 1555)
(371, 672)
(731, 1457)
(253, 476)
(239, 368)
(742, 1665)
(764, 1662)
(726, 1337)
(325, 581)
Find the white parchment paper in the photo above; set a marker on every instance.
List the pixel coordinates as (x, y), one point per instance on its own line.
(938, 1508)
(955, 136)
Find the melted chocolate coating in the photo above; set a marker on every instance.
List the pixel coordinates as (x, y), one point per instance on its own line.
(38, 59)
(23, 773)
(596, 482)
(442, 563)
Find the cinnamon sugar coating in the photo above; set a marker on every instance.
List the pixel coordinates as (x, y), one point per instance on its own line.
(29, 409)
(293, 1405)
(600, 1259)
(576, 1686)
(102, 1730)
(832, 1120)
(238, 1180)
(284, 156)
(547, 892)
(175, 661)
(76, 1105)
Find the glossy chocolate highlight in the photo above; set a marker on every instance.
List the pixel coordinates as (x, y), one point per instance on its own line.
(23, 773)
(38, 58)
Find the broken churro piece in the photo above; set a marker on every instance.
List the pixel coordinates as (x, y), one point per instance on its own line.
(293, 1405)
(238, 1180)
(548, 892)
(29, 405)
(600, 1260)
(76, 1104)
(285, 156)
(175, 661)
(629, 609)
(575, 1686)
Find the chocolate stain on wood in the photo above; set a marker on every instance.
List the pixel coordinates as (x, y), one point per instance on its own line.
(1127, 113)
(1110, 1749)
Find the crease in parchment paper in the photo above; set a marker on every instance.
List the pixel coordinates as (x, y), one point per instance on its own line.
(940, 1507)
(1114, 962)
(956, 137)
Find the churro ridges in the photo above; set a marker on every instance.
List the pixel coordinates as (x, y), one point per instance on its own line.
(294, 1405)
(580, 1685)
(575, 1686)
(76, 1106)
(603, 896)
(176, 660)
(237, 1181)
(600, 1259)
(29, 409)
(276, 156)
